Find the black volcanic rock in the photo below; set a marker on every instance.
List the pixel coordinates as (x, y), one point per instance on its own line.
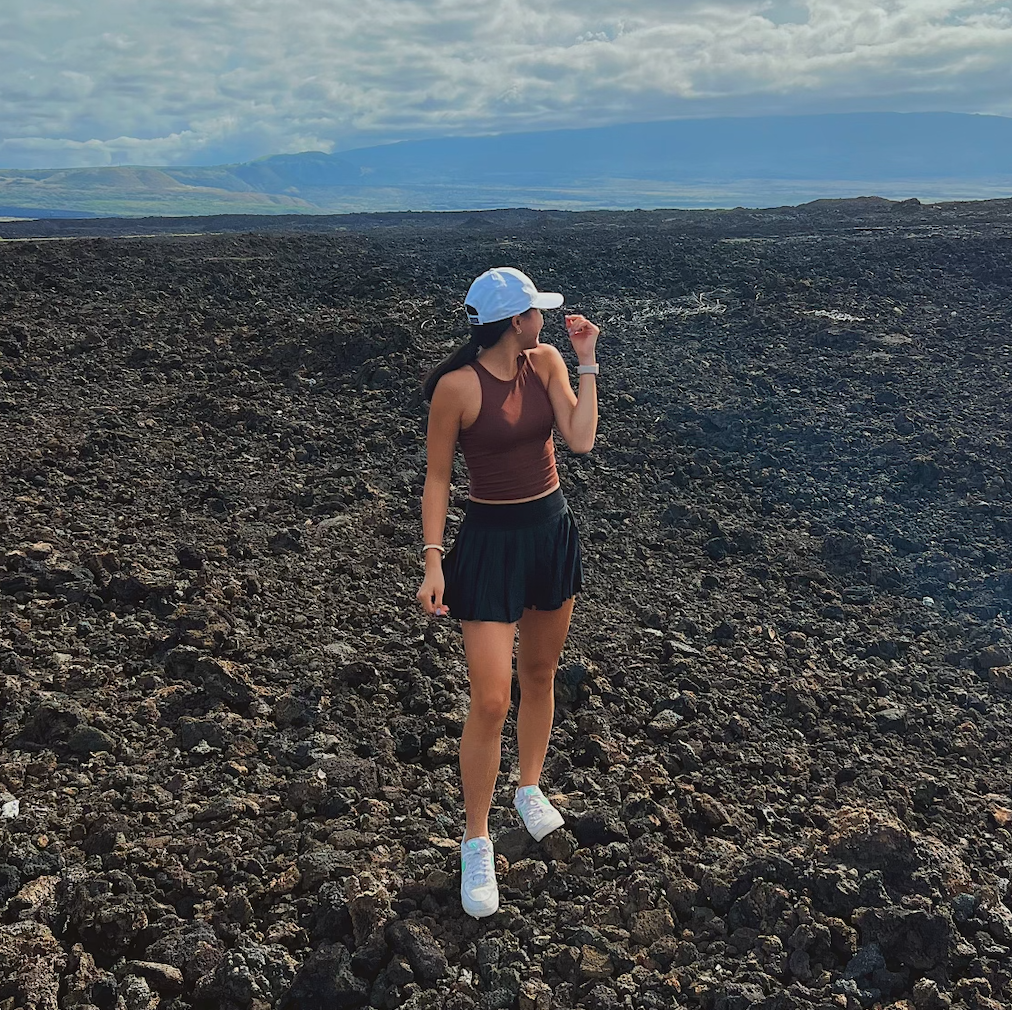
(780, 744)
(326, 981)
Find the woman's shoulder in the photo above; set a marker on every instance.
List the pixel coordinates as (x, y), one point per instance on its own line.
(545, 360)
(546, 354)
(461, 382)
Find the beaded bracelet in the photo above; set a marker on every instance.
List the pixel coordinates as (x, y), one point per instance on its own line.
(434, 547)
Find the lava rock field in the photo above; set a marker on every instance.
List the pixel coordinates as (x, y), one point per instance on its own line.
(783, 742)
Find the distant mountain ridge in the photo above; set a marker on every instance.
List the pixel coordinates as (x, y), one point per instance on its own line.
(705, 162)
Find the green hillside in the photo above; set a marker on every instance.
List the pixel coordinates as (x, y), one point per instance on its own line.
(141, 191)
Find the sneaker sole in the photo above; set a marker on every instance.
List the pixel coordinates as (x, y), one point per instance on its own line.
(477, 910)
(544, 829)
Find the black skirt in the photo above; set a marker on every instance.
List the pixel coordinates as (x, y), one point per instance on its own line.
(507, 558)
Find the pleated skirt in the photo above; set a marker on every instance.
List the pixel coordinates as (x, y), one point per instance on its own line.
(507, 558)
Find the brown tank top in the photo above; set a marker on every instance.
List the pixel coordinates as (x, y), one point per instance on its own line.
(509, 450)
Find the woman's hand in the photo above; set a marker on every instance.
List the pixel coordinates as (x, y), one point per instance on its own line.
(583, 336)
(430, 595)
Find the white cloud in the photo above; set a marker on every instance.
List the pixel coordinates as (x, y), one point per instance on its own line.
(205, 81)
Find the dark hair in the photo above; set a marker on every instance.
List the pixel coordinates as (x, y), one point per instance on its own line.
(482, 335)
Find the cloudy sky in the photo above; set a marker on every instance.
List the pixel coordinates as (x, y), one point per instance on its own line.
(200, 82)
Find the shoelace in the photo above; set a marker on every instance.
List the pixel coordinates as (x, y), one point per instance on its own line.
(478, 870)
(536, 804)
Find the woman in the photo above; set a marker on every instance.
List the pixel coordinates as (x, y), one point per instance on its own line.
(515, 563)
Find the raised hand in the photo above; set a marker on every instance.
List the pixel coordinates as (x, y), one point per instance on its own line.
(583, 336)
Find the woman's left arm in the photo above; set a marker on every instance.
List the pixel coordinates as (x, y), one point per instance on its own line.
(575, 415)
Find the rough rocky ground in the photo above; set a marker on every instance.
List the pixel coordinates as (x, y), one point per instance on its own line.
(227, 775)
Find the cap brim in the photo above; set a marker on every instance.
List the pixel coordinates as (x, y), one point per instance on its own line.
(547, 300)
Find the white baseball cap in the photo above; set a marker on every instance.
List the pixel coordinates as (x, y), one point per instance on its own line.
(503, 292)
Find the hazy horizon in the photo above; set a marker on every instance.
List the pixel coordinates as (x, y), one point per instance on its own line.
(702, 163)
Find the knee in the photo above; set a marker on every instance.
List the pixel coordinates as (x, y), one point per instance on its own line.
(539, 678)
(490, 708)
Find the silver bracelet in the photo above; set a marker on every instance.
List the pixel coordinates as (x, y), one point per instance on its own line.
(433, 547)
(588, 369)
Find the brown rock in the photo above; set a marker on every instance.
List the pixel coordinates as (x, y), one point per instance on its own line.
(650, 925)
(1000, 678)
(525, 874)
(40, 551)
(594, 964)
(870, 839)
(225, 681)
(285, 882)
(36, 901)
(81, 978)
(535, 995)
(31, 962)
(225, 808)
(711, 812)
(368, 906)
(927, 996)
(1002, 816)
(559, 845)
(163, 978)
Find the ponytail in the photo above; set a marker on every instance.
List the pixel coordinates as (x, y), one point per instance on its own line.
(482, 335)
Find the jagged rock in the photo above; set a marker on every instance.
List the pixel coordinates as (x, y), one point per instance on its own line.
(225, 681)
(192, 732)
(163, 978)
(928, 996)
(106, 922)
(534, 995)
(871, 839)
(192, 948)
(137, 995)
(90, 740)
(999, 677)
(31, 962)
(416, 943)
(526, 874)
(86, 984)
(249, 971)
(37, 901)
(993, 657)
(394, 976)
(594, 963)
(916, 938)
(866, 961)
(650, 925)
(368, 906)
(326, 981)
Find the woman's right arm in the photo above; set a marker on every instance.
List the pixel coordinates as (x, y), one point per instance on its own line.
(441, 438)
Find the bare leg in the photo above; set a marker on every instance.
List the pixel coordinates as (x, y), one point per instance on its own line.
(489, 649)
(542, 635)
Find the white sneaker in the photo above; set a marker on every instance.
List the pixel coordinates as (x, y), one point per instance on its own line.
(538, 815)
(479, 892)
